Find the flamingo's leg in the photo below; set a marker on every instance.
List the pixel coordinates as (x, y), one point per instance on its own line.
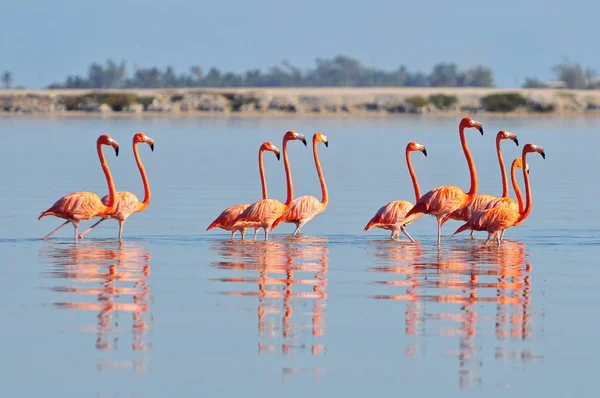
(488, 238)
(56, 229)
(255, 233)
(243, 233)
(233, 234)
(81, 235)
(439, 221)
(471, 235)
(403, 229)
(121, 223)
(76, 225)
(266, 233)
(502, 234)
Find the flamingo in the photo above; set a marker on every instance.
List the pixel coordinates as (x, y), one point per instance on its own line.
(227, 217)
(126, 202)
(304, 208)
(480, 201)
(263, 213)
(78, 206)
(391, 215)
(507, 201)
(444, 200)
(498, 219)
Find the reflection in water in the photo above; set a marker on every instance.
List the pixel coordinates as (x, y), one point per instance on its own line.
(107, 278)
(281, 275)
(448, 292)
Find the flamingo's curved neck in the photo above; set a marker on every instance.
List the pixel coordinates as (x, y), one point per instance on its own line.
(324, 193)
(111, 185)
(288, 175)
(472, 171)
(142, 206)
(502, 168)
(513, 178)
(261, 170)
(413, 176)
(525, 213)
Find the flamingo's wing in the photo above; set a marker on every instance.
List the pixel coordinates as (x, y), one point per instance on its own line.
(228, 216)
(76, 206)
(503, 202)
(303, 208)
(126, 203)
(439, 201)
(391, 213)
(263, 212)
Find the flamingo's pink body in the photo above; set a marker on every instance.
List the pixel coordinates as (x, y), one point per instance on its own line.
(480, 202)
(304, 208)
(126, 203)
(498, 219)
(227, 218)
(78, 206)
(444, 200)
(263, 213)
(391, 216)
(507, 201)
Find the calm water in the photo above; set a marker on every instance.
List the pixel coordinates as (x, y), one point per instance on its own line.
(336, 312)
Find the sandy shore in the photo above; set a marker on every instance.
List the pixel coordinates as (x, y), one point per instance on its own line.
(303, 102)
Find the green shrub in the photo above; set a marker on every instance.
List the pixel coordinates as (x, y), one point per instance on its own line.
(541, 108)
(442, 101)
(176, 98)
(116, 101)
(71, 103)
(146, 101)
(503, 102)
(417, 101)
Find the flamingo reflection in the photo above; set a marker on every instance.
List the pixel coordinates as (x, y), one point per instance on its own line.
(111, 272)
(433, 283)
(285, 274)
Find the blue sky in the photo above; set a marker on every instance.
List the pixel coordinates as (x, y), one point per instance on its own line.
(43, 41)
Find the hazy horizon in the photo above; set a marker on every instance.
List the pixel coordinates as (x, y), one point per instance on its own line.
(45, 42)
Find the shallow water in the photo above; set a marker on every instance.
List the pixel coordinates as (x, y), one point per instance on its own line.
(177, 310)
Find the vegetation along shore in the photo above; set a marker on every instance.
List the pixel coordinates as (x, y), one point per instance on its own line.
(303, 101)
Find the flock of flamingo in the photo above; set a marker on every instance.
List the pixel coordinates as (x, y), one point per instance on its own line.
(479, 212)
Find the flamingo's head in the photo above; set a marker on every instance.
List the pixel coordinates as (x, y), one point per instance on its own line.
(141, 137)
(292, 135)
(505, 135)
(268, 146)
(320, 137)
(105, 139)
(518, 163)
(468, 122)
(534, 148)
(414, 146)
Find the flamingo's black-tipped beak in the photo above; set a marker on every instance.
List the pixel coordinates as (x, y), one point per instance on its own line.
(303, 141)
(480, 128)
(277, 154)
(152, 147)
(326, 143)
(117, 150)
(424, 151)
(543, 154)
(516, 141)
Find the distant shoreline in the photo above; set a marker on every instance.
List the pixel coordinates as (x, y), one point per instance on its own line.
(303, 102)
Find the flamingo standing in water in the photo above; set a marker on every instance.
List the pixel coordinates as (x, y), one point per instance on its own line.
(444, 200)
(227, 217)
(498, 219)
(480, 201)
(78, 206)
(391, 216)
(304, 208)
(126, 202)
(263, 213)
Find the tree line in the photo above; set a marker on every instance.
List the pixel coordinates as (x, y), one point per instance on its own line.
(340, 71)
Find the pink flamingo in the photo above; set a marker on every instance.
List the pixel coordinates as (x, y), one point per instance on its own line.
(480, 201)
(304, 208)
(498, 219)
(392, 215)
(506, 201)
(446, 199)
(263, 213)
(227, 217)
(126, 202)
(78, 206)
